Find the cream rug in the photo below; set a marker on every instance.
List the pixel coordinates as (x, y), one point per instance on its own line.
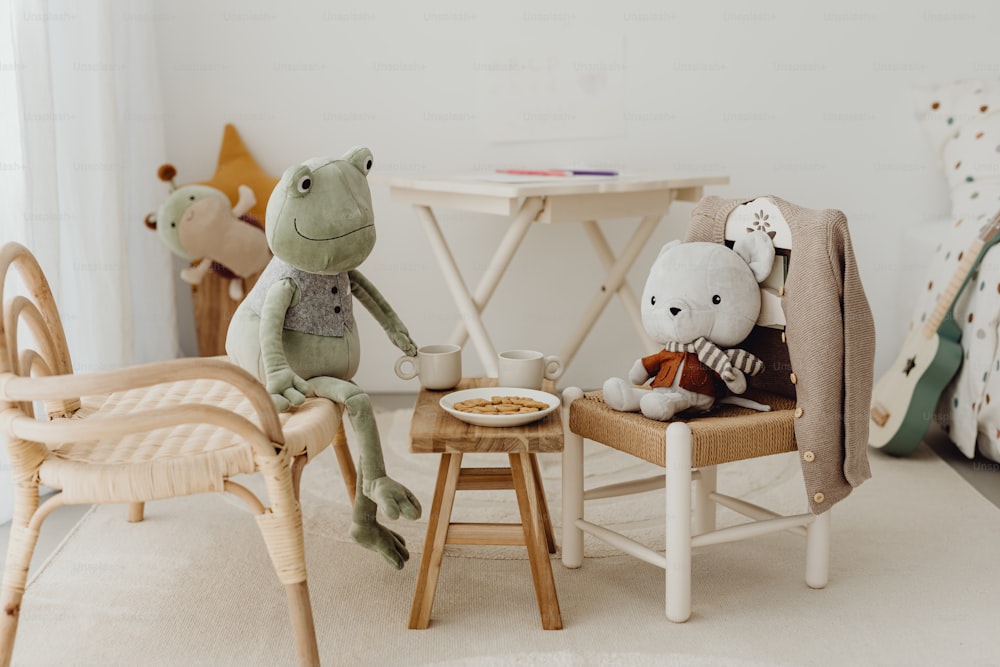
(914, 581)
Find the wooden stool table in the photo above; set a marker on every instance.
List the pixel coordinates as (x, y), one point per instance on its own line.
(434, 431)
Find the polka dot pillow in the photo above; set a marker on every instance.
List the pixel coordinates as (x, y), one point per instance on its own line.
(944, 109)
(972, 164)
(962, 123)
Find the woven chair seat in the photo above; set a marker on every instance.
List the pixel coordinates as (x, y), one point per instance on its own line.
(726, 433)
(180, 460)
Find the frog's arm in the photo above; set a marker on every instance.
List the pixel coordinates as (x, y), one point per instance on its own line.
(365, 292)
(286, 388)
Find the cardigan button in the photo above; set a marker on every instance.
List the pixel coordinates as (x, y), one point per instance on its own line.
(794, 378)
(782, 336)
(819, 498)
(808, 457)
(799, 412)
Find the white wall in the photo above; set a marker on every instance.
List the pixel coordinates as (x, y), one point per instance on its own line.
(811, 101)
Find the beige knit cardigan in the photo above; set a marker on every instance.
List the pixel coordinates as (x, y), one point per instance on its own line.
(829, 350)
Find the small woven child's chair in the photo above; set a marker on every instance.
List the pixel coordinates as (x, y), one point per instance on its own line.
(816, 337)
(145, 433)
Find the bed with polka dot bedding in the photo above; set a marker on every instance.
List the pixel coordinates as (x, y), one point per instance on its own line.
(962, 122)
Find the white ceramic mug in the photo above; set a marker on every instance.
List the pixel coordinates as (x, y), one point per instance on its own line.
(438, 366)
(527, 368)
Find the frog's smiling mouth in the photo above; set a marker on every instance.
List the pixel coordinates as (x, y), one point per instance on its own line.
(295, 223)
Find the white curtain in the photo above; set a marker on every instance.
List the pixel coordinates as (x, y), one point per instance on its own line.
(81, 136)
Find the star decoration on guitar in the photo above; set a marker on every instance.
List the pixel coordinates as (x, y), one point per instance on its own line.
(910, 365)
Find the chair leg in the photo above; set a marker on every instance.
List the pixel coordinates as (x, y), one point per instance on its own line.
(818, 551)
(678, 522)
(20, 548)
(704, 506)
(298, 467)
(347, 469)
(303, 628)
(136, 511)
(572, 486)
(281, 526)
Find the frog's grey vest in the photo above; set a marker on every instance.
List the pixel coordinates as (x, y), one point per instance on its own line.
(324, 306)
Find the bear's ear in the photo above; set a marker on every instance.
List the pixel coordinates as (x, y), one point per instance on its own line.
(668, 246)
(756, 250)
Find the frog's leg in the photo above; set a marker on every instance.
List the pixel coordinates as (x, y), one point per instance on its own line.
(369, 533)
(374, 486)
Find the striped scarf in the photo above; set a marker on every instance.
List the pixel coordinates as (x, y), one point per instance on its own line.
(720, 361)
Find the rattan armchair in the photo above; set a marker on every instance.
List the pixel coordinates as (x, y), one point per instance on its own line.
(144, 433)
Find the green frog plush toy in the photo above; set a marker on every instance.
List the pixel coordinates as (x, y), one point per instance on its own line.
(295, 331)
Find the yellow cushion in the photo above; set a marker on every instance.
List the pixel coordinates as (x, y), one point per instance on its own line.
(237, 167)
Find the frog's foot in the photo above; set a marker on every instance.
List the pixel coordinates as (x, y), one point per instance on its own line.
(392, 498)
(281, 404)
(373, 535)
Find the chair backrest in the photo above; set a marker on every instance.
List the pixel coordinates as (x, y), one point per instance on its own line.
(762, 215)
(32, 340)
(768, 338)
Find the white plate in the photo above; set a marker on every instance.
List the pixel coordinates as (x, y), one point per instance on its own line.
(498, 420)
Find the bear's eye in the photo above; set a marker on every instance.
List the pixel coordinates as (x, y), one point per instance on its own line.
(652, 301)
(716, 299)
(304, 184)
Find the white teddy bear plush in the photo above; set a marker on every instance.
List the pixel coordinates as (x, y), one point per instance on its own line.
(699, 298)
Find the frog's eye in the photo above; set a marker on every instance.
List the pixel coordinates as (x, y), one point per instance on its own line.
(304, 183)
(361, 158)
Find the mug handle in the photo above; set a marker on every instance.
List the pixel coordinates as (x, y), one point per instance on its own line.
(553, 367)
(407, 375)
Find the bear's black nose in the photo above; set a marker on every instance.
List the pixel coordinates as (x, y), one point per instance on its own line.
(674, 311)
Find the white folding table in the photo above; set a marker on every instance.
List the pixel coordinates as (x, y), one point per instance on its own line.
(582, 199)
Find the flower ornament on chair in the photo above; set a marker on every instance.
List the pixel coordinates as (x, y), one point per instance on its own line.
(699, 299)
(197, 223)
(296, 331)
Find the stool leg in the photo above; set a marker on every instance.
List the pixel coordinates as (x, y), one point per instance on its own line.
(437, 532)
(542, 505)
(538, 557)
